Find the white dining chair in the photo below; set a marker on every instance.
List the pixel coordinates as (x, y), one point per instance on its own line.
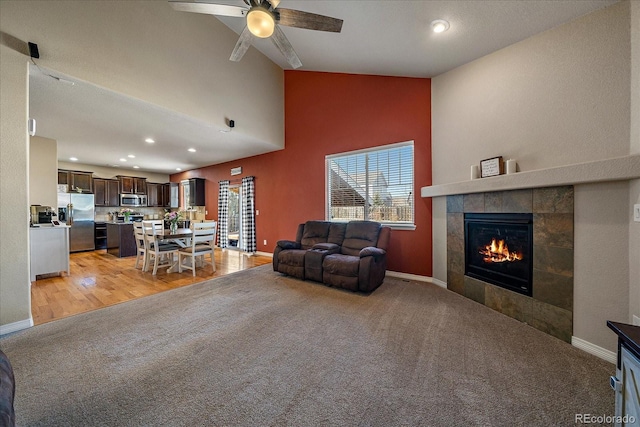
(141, 250)
(161, 253)
(203, 242)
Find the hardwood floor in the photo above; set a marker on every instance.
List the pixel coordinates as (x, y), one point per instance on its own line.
(99, 280)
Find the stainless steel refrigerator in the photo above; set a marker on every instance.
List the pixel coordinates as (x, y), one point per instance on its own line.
(78, 211)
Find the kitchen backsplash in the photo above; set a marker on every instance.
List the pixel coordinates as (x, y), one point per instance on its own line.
(104, 213)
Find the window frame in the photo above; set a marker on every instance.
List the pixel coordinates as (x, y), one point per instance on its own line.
(397, 225)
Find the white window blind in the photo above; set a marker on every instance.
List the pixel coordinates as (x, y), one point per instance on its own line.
(374, 184)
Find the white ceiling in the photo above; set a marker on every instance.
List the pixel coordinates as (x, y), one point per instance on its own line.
(378, 37)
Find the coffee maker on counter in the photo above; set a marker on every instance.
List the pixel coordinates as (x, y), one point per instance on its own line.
(41, 214)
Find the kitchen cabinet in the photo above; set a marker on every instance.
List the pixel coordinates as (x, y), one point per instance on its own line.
(120, 239)
(63, 177)
(76, 180)
(155, 195)
(193, 192)
(100, 235)
(107, 192)
(170, 195)
(132, 185)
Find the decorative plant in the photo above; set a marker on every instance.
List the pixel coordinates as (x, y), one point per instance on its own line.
(173, 217)
(127, 213)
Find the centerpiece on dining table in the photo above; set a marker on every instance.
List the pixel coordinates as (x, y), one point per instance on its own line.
(172, 218)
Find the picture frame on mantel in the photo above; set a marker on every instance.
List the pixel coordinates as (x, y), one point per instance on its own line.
(491, 167)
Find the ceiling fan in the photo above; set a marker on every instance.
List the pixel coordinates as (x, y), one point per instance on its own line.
(264, 20)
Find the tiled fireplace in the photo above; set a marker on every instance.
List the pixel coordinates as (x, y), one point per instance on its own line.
(546, 302)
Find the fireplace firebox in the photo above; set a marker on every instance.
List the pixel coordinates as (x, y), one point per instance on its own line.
(499, 249)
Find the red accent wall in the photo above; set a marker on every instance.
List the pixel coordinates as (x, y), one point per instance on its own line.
(328, 113)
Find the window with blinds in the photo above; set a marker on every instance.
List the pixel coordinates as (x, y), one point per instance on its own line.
(373, 184)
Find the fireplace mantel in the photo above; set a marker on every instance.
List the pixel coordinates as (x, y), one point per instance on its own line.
(616, 169)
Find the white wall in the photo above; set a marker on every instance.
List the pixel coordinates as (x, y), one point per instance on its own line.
(143, 49)
(558, 98)
(147, 50)
(15, 295)
(43, 171)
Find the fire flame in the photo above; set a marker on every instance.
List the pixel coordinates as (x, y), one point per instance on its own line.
(498, 251)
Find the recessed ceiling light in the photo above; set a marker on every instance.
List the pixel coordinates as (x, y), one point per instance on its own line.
(178, 169)
(73, 159)
(123, 159)
(131, 156)
(439, 26)
(149, 140)
(193, 150)
(136, 167)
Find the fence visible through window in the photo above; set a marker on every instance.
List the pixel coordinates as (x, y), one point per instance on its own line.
(373, 184)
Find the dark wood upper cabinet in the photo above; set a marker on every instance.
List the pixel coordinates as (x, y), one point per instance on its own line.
(63, 177)
(193, 192)
(76, 181)
(107, 192)
(154, 194)
(132, 185)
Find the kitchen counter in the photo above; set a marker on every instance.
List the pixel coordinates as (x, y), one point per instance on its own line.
(120, 240)
(49, 249)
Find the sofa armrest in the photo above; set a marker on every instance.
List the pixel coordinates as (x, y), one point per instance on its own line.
(372, 251)
(329, 248)
(288, 244)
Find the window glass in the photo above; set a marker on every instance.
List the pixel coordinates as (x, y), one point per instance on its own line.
(374, 184)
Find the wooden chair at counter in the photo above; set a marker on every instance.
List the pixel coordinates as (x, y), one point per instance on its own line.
(162, 253)
(203, 241)
(141, 249)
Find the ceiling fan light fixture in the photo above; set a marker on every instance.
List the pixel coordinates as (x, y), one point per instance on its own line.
(439, 26)
(260, 22)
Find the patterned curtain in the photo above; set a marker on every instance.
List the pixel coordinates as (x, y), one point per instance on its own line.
(248, 243)
(223, 214)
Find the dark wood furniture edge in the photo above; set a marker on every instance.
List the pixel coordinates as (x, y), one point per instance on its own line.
(629, 335)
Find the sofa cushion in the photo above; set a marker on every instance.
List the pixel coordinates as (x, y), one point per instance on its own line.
(336, 233)
(292, 257)
(359, 235)
(341, 265)
(314, 232)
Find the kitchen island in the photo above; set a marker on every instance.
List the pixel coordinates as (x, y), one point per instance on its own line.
(49, 249)
(120, 239)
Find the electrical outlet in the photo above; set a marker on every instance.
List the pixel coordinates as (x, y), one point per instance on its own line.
(636, 212)
(257, 211)
(636, 320)
(265, 242)
(206, 212)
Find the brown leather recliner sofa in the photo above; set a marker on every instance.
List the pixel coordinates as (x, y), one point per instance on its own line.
(349, 255)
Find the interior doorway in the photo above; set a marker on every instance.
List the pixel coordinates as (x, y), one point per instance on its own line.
(234, 219)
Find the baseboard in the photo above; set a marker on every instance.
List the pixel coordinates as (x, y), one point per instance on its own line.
(597, 351)
(416, 277)
(267, 254)
(16, 326)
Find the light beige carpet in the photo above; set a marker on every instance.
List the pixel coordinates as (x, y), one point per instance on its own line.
(259, 349)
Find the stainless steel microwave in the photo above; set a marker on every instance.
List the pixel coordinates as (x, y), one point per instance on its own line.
(133, 200)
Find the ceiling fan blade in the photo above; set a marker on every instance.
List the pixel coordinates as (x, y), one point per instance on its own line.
(281, 41)
(210, 9)
(309, 21)
(241, 47)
